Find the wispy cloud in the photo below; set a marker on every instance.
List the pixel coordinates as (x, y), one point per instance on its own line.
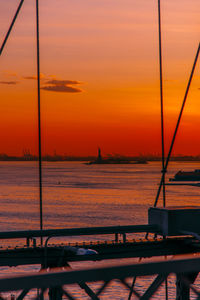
(9, 82)
(61, 89)
(30, 77)
(49, 82)
(42, 76)
(62, 82)
(62, 86)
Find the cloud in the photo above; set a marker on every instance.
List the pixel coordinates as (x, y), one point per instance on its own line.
(51, 84)
(30, 77)
(42, 76)
(61, 89)
(62, 82)
(62, 86)
(9, 82)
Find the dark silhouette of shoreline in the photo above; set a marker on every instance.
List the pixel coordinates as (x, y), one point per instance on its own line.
(29, 157)
(114, 159)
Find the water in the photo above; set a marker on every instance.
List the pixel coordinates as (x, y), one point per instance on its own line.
(79, 195)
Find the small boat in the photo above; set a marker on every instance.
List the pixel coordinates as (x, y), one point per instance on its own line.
(187, 176)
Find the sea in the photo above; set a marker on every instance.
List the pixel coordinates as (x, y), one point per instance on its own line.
(80, 195)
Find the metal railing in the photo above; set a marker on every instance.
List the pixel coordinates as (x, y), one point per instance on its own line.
(29, 234)
(186, 270)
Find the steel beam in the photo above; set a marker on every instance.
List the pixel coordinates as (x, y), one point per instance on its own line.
(153, 287)
(79, 231)
(36, 255)
(106, 273)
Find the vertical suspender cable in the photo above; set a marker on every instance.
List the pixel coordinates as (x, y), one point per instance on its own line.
(39, 118)
(11, 26)
(161, 103)
(162, 121)
(38, 88)
(177, 124)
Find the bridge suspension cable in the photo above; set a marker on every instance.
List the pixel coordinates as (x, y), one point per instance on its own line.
(177, 125)
(161, 102)
(38, 95)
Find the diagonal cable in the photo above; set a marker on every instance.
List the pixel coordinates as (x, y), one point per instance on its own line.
(177, 126)
(11, 26)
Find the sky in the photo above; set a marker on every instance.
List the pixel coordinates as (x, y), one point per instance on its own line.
(99, 77)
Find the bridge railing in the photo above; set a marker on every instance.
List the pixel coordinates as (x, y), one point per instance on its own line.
(57, 282)
(85, 231)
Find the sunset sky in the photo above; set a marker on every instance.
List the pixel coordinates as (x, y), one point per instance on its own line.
(99, 76)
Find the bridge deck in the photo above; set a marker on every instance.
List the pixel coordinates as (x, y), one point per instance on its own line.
(53, 254)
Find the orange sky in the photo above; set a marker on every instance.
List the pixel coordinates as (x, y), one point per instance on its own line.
(100, 76)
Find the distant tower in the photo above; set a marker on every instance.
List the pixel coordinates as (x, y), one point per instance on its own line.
(99, 158)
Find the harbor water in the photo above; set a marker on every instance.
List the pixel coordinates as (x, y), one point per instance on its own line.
(79, 195)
